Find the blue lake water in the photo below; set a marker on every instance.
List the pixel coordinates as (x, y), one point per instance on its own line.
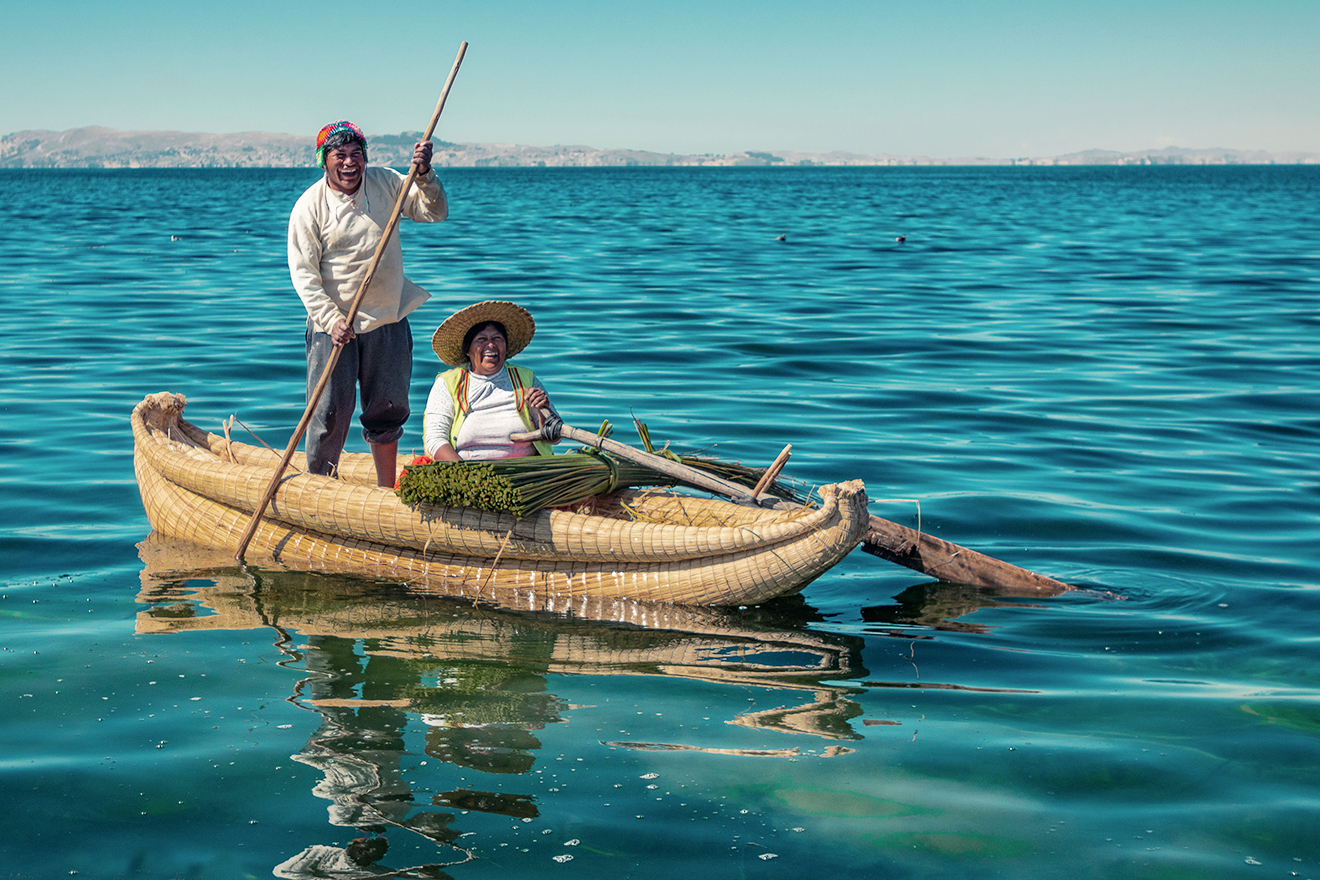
(1108, 375)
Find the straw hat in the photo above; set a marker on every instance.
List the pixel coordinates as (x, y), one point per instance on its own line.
(447, 341)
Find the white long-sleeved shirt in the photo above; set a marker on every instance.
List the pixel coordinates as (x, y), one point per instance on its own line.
(333, 236)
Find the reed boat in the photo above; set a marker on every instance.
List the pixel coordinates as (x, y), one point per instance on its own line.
(653, 546)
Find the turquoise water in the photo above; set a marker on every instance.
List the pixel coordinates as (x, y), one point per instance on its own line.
(1108, 375)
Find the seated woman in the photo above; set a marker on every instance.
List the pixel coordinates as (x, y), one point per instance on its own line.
(473, 408)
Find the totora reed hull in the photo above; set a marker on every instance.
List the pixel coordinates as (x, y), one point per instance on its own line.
(642, 546)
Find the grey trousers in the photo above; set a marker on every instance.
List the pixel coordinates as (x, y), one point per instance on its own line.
(380, 361)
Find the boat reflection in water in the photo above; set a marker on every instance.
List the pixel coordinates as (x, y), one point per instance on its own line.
(942, 606)
(476, 677)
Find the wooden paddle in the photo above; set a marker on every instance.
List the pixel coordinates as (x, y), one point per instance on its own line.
(315, 396)
(927, 554)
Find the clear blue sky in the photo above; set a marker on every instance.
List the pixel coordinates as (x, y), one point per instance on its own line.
(921, 77)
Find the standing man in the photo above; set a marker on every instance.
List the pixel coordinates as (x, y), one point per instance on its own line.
(334, 230)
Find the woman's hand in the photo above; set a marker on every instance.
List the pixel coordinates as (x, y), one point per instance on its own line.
(536, 398)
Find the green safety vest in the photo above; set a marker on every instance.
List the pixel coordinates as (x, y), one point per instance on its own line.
(456, 380)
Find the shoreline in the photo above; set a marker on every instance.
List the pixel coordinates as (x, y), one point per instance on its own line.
(95, 146)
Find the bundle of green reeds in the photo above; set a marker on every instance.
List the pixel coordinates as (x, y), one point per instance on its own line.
(522, 486)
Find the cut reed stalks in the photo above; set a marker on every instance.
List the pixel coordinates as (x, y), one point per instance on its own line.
(523, 486)
(734, 472)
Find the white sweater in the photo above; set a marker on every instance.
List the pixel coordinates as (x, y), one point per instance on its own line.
(332, 237)
(492, 417)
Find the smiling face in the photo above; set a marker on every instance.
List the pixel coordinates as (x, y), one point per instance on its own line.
(344, 166)
(486, 349)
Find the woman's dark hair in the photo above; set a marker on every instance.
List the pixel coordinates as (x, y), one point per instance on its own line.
(477, 328)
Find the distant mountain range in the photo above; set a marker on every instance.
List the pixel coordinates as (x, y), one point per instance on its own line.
(95, 147)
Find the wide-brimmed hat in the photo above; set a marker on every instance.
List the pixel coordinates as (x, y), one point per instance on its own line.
(447, 341)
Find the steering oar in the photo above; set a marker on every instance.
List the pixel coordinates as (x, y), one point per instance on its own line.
(927, 554)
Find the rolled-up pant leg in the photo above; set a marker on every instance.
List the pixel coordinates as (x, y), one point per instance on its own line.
(385, 373)
(328, 428)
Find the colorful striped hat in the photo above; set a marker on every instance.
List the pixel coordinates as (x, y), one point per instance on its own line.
(336, 134)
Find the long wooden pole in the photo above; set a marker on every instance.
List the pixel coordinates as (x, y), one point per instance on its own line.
(927, 554)
(678, 470)
(315, 396)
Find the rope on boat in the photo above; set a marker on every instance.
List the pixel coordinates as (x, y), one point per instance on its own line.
(493, 565)
(552, 428)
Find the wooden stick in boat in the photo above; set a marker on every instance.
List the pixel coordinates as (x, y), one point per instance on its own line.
(315, 396)
(553, 429)
(927, 554)
(773, 471)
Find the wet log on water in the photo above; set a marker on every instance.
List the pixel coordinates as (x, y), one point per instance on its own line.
(946, 561)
